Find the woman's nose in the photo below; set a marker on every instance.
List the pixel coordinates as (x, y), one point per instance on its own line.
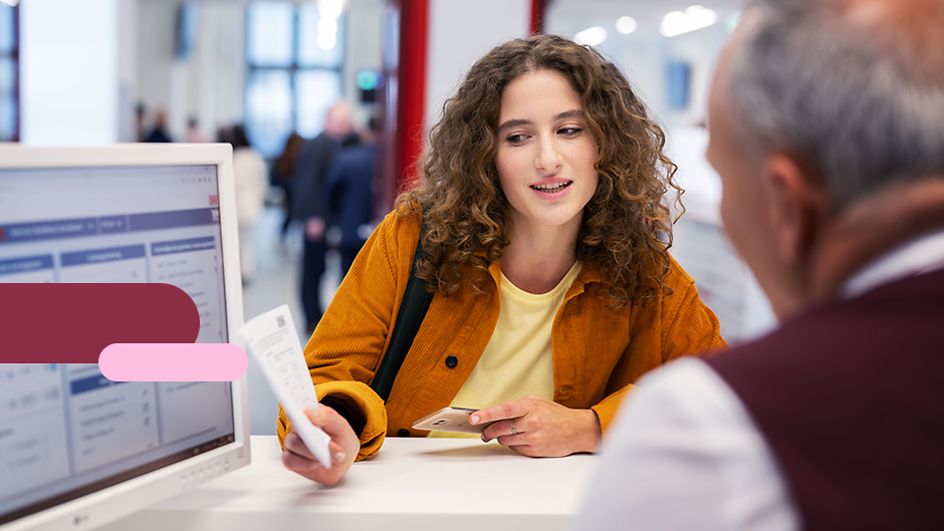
(548, 157)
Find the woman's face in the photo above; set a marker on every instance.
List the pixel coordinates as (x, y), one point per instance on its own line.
(546, 154)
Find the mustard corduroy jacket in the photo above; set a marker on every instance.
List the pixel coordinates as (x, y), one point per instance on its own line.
(597, 352)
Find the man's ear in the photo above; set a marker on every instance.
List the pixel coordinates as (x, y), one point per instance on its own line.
(794, 206)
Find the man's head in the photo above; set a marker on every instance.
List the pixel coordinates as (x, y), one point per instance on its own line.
(160, 118)
(371, 132)
(338, 122)
(819, 107)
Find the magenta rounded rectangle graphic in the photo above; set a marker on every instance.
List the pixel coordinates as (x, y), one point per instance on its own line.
(73, 322)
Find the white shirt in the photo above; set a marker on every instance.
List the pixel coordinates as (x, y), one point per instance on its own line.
(251, 183)
(685, 454)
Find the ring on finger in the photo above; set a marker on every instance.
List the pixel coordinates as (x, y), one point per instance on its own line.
(514, 429)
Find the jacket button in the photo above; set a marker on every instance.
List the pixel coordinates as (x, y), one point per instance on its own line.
(452, 361)
(403, 432)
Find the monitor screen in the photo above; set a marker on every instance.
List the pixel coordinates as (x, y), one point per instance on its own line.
(66, 431)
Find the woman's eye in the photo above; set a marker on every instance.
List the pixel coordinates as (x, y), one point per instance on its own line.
(569, 131)
(516, 138)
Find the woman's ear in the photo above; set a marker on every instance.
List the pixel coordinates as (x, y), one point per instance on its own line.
(795, 207)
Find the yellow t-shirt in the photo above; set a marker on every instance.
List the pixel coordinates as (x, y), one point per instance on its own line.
(517, 361)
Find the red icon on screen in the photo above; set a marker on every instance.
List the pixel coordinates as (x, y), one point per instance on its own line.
(214, 200)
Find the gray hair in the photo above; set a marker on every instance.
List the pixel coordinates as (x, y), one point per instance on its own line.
(863, 103)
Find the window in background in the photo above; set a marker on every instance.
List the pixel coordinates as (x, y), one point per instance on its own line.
(294, 73)
(185, 30)
(678, 84)
(316, 90)
(9, 70)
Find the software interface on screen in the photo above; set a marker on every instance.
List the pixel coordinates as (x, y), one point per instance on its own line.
(65, 430)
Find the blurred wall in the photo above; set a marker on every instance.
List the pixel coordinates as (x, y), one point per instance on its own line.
(459, 34)
(645, 54)
(76, 71)
(363, 40)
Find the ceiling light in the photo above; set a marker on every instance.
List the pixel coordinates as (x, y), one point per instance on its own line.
(327, 41)
(327, 33)
(330, 8)
(691, 19)
(10, 2)
(591, 36)
(626, 25)
(328, 13)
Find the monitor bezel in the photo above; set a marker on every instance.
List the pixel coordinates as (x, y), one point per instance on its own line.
(117, 501)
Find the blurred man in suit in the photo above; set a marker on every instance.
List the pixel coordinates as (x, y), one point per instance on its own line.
(351, 194)
(310, 203)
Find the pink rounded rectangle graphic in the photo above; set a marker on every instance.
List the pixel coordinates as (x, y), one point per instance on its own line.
(172, 362)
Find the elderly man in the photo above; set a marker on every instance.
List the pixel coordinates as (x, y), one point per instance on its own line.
(310, 202)
(827, 128)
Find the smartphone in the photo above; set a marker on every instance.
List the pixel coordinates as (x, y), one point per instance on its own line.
(453, 419)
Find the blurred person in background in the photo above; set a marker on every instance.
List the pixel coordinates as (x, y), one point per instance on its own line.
(158, 132)
(194, 135)
(350, 193)
(140, 121)
(282, 172)
(310, 203)
(825, 122)
(252, 185)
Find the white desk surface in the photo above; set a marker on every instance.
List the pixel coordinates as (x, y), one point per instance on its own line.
(412, 484)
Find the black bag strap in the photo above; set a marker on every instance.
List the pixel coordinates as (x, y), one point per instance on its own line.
(413, 309)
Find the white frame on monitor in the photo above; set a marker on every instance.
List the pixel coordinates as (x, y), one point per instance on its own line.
(117, 501)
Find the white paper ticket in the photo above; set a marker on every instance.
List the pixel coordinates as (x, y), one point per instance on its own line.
(272, 341)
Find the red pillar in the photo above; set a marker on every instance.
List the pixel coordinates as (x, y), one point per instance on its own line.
(405, 36)
(411, 104)
(537, 16)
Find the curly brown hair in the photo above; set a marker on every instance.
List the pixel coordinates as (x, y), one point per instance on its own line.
(626, 229)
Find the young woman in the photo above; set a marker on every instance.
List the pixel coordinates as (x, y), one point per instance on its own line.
(546, 244)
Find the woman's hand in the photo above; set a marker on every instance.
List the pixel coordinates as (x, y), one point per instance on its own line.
(343, 447)
(540, 428)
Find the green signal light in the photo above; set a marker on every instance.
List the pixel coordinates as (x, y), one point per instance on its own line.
(367, 80)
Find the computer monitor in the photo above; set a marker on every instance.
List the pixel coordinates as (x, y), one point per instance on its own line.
(76, 449)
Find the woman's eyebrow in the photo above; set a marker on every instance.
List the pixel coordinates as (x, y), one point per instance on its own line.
(508, 124)
(513, 123)
(576, 113)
